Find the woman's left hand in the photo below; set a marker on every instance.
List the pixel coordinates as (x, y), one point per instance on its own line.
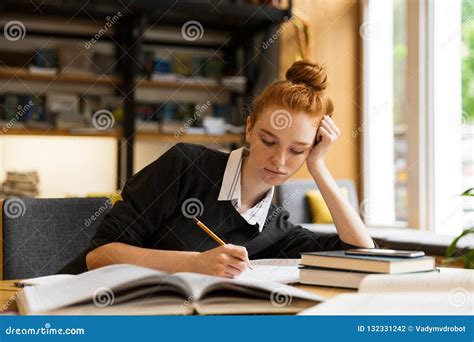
(326, 135)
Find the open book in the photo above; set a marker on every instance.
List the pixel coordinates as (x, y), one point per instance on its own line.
(134, 290)
(449, 292)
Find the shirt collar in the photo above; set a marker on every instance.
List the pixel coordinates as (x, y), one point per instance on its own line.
(231, 184)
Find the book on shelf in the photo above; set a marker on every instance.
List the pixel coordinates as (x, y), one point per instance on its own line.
(114, 104)
(171, 127)
(65, 109)
(102, 63)
(164, 77)
(45, 62)
(198, 80)
(20, 110)
(134, 290)
(448, 292)
(376, 264)
(214, 126)
(36, 115)
(74, 59)
(195, 130)
(147, 126)
(235, 83)
(235, 129)
(146, 117)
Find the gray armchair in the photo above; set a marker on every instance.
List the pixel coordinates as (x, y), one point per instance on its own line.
(41, 236)
(292, 196)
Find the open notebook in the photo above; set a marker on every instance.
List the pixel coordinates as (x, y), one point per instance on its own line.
(133, 290)
(449, 292)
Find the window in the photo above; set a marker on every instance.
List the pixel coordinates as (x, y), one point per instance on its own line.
(467, 114)
(417, 115)
(384, 35)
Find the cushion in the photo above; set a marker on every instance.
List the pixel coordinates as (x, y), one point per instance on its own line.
(319, 210)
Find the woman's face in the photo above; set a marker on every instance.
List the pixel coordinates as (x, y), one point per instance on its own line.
(280, 141)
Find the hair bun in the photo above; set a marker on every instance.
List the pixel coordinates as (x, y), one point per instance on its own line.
(308, 73)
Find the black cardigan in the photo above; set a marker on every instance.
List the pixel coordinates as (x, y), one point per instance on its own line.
(151, 214)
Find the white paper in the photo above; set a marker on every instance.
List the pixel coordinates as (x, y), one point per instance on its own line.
(277, 270)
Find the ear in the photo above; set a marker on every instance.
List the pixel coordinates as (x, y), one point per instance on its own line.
(248, 129)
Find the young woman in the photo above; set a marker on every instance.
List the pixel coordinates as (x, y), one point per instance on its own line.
(231, 193)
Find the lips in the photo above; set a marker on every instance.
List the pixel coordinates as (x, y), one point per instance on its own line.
(275, 172)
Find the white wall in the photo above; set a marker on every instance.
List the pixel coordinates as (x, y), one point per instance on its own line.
(67, 166)
(148, 150)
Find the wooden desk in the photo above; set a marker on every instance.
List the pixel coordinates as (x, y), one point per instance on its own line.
(8, 293)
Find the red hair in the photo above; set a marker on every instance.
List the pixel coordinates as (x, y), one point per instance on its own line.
(302, 91)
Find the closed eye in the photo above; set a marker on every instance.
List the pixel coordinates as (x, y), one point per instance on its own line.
(268, 143)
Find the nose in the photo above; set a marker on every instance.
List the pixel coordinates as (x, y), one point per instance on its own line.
(278, 159)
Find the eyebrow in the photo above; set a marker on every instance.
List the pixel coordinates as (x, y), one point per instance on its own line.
(273, 135)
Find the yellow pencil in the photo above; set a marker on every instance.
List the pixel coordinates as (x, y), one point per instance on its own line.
(211, 233)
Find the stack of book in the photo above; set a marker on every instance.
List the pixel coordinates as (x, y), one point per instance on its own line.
(335, 268)
(23, 184)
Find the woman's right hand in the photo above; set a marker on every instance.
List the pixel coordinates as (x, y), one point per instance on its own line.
(223, 261)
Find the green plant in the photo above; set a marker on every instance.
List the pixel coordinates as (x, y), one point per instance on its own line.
(451, 253)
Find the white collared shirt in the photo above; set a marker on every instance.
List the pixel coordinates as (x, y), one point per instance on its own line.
(231, 190)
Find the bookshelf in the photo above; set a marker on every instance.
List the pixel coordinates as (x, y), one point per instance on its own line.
(223, 139)
(241, 22)
(178, 85)
(34, 131)
(25, 75)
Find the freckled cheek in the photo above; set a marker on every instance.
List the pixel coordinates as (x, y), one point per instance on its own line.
(295, 163)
